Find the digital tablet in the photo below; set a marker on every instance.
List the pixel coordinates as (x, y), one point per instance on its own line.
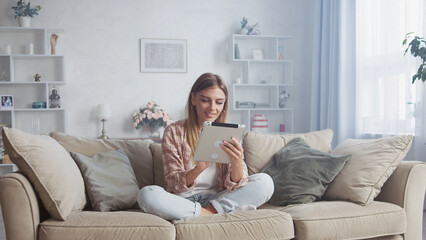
(211, 137)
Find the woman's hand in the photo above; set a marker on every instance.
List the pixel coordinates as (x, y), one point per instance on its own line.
(197, 170)
(235, 153)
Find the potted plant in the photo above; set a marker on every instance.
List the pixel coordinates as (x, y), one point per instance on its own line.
(24, 12)
(417, 47)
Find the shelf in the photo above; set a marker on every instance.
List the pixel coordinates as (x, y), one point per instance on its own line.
(263, 109)
(17, 70)
(41, 83)
(24, 29)
(37, 109)
(265, 73)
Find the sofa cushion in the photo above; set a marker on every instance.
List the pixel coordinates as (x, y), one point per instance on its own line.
(110, 181)
(344, 220)
(46, 163)
(259, 148)
(258, 224)
(136, 150)
(301, 174)
(371, 164)
(157, 158)
(107, 225)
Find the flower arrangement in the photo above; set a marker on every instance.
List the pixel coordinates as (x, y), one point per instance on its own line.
(249, 29)
(151, 116)
(23, 9)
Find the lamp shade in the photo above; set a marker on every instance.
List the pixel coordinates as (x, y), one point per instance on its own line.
(103, 111)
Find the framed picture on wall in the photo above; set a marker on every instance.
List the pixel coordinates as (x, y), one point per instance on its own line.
(163, 55)
(6, 102)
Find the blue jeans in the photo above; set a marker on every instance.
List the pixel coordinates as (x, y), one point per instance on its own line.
(155, 200)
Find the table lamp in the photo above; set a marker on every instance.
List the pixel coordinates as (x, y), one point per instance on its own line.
(103, 112)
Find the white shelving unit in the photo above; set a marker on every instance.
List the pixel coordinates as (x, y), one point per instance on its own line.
(265, 73)
(17, 70)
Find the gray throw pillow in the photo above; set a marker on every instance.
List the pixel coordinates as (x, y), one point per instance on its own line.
(110, 180)
(301, 174)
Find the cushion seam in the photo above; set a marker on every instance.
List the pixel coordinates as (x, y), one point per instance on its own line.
(222, 222)
(336, 218)
(42, 225)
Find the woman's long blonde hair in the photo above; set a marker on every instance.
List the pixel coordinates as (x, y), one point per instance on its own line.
(206, 80)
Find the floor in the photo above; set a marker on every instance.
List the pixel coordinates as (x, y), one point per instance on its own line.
(2, 234)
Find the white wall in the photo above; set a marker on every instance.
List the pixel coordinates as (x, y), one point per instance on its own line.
(101, 48)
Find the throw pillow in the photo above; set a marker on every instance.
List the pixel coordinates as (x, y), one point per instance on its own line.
(372, 163)
(51, 170)
(110, 181)
(259, 147)
(138, 151)
(301, 174)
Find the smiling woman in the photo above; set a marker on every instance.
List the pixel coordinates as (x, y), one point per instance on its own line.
(203, 188)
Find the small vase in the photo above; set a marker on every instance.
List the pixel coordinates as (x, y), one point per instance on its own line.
(24, 21)
(157, 133)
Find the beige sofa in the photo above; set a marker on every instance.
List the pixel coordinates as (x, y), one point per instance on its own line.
(395, 214)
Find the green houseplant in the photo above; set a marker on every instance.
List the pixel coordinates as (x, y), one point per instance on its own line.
(417, 47)
(24, 12)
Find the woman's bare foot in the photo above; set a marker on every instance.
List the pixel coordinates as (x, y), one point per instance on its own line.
(209, 210)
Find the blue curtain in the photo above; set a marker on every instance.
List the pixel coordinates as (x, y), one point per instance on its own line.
(333, 69)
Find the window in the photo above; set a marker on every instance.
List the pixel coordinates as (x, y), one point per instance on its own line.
(385, 98)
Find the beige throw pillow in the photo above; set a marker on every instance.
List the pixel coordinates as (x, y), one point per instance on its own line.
(51, 170)
(259, 148)
(371, 164)
(110, 181)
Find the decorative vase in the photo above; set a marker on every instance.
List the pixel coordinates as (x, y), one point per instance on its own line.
(24, 21)
(157, 133)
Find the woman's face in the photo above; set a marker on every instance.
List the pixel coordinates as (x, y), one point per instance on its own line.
(209, 104)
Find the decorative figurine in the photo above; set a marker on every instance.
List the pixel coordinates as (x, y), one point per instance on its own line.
(55, 101)
(283, 97)
(37, 77)
(4, 76)
(53, 41)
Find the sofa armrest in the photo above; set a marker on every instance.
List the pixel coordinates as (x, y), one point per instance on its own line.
(20, 207)
(406, 188)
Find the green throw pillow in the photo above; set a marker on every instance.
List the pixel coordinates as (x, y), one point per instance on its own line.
(301, 174)
(110, 181)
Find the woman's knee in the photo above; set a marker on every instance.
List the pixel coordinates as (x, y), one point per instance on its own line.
(264, 182)
(147, 196)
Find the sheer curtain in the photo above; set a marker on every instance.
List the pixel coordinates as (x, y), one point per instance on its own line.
(386, 101)
(333, 69)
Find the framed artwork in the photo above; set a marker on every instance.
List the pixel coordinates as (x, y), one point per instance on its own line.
(163, 55)
(6, 102)
(258, 54)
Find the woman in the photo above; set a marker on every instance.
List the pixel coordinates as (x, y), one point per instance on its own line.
(203, 188)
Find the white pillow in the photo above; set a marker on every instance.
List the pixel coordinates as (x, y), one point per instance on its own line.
(51, 170)
(372, 163)
(259, 148)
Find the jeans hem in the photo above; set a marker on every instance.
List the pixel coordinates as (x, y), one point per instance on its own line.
(217, 206)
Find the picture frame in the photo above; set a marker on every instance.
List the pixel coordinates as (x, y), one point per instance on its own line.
(258, 54)
(6, 102)
(163, 55)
